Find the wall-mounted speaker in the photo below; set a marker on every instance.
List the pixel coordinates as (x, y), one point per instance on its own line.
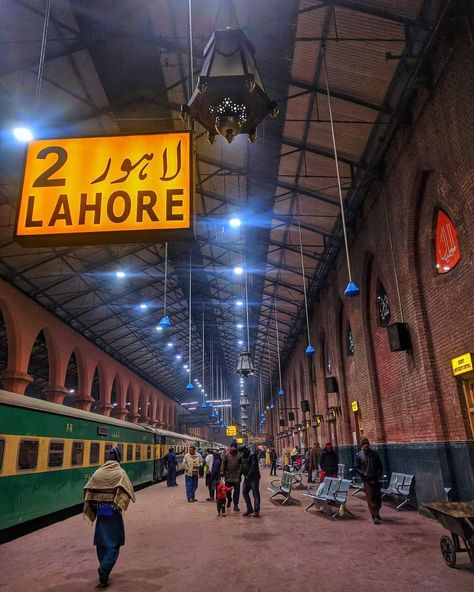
(399, 337)
(304, 406)
(282, 422)
(331, 384)
(291, 416)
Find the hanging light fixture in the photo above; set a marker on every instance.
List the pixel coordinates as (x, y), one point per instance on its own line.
(244, 401)
(309, 351)
(189, 386)
(352, 289)
(165, 320)
(243, 414)
(229, 98)
(245, 364)
(281, 391)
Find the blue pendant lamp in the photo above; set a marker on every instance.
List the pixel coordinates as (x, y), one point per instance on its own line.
(281, 391)
(189, 386)
(309, 351)
(165, 322)
(352, 289)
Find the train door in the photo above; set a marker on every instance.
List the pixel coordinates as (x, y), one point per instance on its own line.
(158, 464)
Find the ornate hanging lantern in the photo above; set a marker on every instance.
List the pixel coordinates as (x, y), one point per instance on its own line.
(229, 98)
(243, 414)
(245, 364)
(244, 401)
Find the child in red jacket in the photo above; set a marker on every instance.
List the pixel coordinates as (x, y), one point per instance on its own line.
(221, 498)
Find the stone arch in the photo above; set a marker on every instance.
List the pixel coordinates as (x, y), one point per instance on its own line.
(96, 391)
(71, 381)
(38, 367)
(346, 373)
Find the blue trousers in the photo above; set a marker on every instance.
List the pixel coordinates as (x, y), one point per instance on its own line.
(191, 486)
(107, 556)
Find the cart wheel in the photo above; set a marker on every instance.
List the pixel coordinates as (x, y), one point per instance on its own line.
(448, 551)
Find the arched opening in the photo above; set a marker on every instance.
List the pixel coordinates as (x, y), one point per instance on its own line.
(114, 399)
(128, 403)
(3, 346)
(95, 391)
(72, 381)
(38, 368)
(141, 409)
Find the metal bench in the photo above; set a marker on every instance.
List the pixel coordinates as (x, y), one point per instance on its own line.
(331, 496)
(298, 475)
(282, 487)
(400, 485)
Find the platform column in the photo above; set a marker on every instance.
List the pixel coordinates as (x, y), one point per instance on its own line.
(15, 382)
(55, 393)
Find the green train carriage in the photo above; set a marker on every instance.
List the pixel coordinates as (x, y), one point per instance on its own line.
(49, 451)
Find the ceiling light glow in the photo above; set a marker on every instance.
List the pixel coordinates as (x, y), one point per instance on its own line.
(23, 134)
(235, 222)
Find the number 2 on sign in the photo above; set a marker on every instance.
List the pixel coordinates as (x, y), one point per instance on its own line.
(69, 427)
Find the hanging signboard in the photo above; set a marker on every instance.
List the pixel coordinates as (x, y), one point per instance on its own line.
(112, 189)
(462, 364)
(239, 440)
(447, 245)
(355, 406)
(231, 430)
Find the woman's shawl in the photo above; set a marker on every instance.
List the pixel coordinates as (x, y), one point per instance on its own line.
(110, 483)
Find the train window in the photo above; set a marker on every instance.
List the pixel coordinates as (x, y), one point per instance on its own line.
(108, 448)
(2, 446)
(77, 453)
(129, 451)
(120, 447)
(148, 452)
(138, 452)
(56, 454)
(94, 453)
(28, 455)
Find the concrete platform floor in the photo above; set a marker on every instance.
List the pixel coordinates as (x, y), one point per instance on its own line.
(176, 546)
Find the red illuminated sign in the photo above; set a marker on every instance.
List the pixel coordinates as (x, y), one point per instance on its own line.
(447, 245)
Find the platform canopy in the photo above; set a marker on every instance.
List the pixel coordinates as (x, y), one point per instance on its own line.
(121, 66)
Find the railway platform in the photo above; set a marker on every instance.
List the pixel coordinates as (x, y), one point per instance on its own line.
(172, 545)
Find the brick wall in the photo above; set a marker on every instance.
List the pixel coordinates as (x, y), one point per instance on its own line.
(407, 397)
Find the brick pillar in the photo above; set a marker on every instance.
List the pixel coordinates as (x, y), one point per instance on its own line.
(15, 382)
(55, 393)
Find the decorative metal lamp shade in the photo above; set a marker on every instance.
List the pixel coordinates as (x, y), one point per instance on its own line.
(229, 98)
(244, 401)
(243, 414)
(245, 364)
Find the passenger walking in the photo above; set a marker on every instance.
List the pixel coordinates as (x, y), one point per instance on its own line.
(273, 462)
(313, 462)
(251, 473)
(107, 493)
(368, 465)
(216, 470)
(221, 496)
(230, 470)
(192, 463)
(171, 464)
(267, 457)
(328, 461)
(209, 460)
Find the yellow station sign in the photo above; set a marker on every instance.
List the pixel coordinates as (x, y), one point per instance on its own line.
(231, 430)
(239, 440)
(462, 364)
(355, 405)
(106, 189)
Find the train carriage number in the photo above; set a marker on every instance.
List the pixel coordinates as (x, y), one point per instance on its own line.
(69, 427)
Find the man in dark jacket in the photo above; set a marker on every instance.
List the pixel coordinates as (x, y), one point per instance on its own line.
(230, 470)
(368, 465)
(328, 462)
(273, 462)
(251, 472)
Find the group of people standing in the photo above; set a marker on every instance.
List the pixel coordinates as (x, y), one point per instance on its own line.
(223, 473)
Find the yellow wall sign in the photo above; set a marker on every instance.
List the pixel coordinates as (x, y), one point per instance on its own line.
(231, 430)
(462, 364)
(239, 440)
(355, 405)
(106, 189)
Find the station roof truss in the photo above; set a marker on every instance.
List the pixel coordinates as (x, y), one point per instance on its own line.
(120, 66)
